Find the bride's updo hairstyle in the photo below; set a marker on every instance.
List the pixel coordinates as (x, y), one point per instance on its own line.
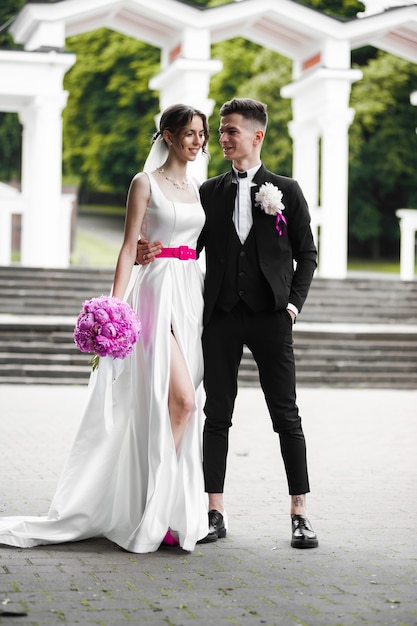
(176, 118)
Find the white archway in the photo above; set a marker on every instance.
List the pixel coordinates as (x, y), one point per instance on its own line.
(31, 85)
(318, 45)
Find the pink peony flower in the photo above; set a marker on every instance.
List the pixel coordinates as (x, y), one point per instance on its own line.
(87, 322)
(101, 316)
(106, 326)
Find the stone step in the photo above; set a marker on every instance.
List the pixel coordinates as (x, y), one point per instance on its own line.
(314, 358)
(44, 357)
(43, 351)
(46, 292)
(33, 373)
(341, 380)
(355, 332)
(60, 297)
(43, 374)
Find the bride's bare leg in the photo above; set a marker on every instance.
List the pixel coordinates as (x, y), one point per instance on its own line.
(181, 399)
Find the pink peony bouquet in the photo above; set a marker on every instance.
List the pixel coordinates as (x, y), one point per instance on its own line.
(106, 326)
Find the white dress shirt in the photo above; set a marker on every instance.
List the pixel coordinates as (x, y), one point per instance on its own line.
(242, 215)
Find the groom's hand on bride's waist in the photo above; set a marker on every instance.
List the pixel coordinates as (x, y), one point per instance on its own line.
(147, 251)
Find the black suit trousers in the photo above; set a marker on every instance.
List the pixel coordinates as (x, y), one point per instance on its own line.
(268, 335)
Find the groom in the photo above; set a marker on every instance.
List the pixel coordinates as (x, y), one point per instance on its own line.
(260, 261)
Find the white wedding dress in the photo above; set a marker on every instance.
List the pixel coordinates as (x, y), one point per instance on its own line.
(123, 478)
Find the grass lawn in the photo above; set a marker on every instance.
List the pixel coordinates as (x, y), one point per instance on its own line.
(91, 251)
(98, 209)
(365, 265)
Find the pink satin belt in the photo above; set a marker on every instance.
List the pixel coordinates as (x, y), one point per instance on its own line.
(183, 253)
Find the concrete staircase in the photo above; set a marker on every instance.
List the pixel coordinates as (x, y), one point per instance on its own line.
(361, 332)
(38, 310)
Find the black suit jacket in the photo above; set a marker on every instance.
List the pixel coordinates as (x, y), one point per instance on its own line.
(276, 254)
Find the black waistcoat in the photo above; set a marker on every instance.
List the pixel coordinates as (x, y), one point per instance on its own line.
(243, 279)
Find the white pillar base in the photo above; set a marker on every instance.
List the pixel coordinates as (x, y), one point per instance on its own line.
(408, 228)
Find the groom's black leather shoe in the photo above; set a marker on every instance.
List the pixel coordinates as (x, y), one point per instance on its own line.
(216, 524)
(217, 529)
(303, 535)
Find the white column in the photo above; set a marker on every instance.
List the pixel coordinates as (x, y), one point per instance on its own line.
(45, 234)
(408, 229)
(320, 101)
(334, 193)
(185, 79)
(5, 235)
(306, 167)
(31, 85)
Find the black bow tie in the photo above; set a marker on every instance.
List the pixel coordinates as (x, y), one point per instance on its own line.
(242, 174)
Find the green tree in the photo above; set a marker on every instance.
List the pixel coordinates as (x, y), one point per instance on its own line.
(10, 128)
(207, 3)
(383, 154)
(337, 8)
(8, 10)
(271, 72)
(109, 119)
(251, 71)
(238, 56)
(10, 147)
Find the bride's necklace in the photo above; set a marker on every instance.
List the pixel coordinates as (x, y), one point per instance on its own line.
(184, 185)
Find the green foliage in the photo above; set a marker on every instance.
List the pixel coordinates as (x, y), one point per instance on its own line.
(10, 129)
(207, 3)
(215, 3)
(251, 71)
(10, 146)
(383, 154)
(8, 10)
(238, 56)
(109, 119)
(272, 71)
(337, 8)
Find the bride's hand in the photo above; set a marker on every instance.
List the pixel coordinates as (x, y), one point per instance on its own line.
(147, 251)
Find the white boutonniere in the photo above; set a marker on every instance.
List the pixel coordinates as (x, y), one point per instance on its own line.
(269, 199)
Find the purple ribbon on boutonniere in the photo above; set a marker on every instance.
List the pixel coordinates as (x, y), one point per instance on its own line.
(280, 229)
(269, 199)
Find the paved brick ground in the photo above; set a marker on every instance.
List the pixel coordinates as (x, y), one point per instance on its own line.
(362, 456)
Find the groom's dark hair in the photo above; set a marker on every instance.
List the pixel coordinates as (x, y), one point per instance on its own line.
(247, 108)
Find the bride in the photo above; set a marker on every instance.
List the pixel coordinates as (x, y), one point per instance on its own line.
(134, 473)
